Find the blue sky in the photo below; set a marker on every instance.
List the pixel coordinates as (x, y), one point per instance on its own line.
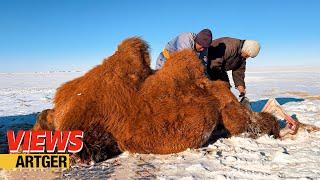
(43, 35)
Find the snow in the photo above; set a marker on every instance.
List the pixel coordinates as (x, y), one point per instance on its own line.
(24, 94)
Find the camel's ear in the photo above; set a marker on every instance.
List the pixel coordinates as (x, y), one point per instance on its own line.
(136, 48)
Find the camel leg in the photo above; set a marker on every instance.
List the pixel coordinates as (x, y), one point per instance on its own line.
(273, 107)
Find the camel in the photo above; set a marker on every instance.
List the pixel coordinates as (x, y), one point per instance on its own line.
(123, 105)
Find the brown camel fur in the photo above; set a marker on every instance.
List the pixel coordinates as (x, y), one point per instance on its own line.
(122, 105)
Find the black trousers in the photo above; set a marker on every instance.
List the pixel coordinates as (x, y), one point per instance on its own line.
(218, 75)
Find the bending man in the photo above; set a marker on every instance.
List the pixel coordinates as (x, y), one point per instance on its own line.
(227, 54)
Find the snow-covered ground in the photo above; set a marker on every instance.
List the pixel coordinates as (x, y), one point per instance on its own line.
(22, 95)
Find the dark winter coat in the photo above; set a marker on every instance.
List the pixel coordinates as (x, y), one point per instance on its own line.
(224, 54)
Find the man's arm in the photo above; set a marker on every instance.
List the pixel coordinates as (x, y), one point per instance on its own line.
(216, 64)
(238, 78)
(216, 56)
(183, 41)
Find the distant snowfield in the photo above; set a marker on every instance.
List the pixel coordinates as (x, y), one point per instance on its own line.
(24, 94)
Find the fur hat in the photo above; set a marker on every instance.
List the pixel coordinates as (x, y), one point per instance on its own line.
(251, 47)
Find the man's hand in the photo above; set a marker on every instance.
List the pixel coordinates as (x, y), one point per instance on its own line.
(241, 90)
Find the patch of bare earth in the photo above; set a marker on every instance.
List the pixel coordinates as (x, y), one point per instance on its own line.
(304, 95)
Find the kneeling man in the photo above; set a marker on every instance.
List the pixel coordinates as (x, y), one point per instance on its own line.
(199, 43)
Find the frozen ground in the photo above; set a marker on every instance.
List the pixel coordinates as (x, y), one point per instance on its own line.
(22, 95)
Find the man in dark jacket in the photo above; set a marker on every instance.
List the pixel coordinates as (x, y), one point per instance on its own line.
(227, 54)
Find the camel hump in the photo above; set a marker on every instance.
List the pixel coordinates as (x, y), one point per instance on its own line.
(184, 65)
(133, 44)
(185, 57)
(183, 53)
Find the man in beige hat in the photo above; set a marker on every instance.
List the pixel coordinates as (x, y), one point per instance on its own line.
(227, 54)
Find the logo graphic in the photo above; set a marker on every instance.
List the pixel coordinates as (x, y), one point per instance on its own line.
(41, 149)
